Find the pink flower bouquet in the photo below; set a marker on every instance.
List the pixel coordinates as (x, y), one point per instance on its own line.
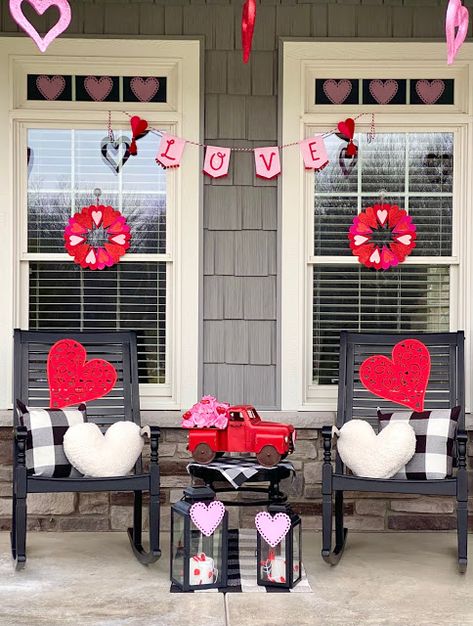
(208, 413)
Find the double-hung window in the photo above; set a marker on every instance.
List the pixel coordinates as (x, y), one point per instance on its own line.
(66, 110)
(416, 158)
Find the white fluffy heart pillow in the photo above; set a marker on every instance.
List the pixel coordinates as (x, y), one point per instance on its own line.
(371, 455)
(98, 455)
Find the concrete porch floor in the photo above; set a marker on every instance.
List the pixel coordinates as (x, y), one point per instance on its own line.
(93, 578)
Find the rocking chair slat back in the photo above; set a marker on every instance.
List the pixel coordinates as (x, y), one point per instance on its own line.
(119, 348)
(445, 389)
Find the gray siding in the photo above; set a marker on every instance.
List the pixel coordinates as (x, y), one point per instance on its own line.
(240, 212)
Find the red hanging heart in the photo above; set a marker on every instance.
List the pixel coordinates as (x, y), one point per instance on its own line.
(248, 18)
(347, 128)
(403, 379)
(138, 126)
(72, 379)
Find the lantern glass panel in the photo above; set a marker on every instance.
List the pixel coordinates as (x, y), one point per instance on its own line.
(178, 550)
(205, 562)
(273, 562)
(297, 553)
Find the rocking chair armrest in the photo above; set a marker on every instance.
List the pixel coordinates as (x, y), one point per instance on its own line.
(155, 434)
(20, 434)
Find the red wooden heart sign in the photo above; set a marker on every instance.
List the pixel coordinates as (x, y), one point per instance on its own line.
(403, 379)
(72, 379)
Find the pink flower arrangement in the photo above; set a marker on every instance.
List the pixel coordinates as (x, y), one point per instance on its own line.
(208, 413)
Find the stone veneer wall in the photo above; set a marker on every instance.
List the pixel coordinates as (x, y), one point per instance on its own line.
(103, 511)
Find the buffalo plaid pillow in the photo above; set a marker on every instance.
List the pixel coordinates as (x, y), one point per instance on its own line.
(44, 441)
(435, 435)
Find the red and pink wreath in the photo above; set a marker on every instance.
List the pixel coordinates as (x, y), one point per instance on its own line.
(97, 237)
(382, 236)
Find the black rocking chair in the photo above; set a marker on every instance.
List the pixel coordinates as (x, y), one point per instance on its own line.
(122, 403)
(445, 390)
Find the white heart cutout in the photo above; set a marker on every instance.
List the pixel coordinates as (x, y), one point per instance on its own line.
(405, 239)
(375, 258)
(359, 239)
(382, 215)
(97, 217)
(376, 456)
(91, 258)
(98, 455)
(74, 240)
(120, 239)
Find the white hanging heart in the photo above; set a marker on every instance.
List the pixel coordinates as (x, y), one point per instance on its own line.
(97, 217)
(382, 215)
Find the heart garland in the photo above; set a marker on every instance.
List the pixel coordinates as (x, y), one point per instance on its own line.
(109, 146)
(139, 128)
(72, 379)
(207, 517)
(347, 129)
(456, 28)
(402, 379)
(273, 529)
(248, 18)
(41, 6)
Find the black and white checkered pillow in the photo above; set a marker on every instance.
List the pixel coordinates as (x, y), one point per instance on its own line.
(435, 435)
(44, 442)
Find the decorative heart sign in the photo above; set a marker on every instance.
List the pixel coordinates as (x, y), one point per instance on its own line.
(50, 88)
(456, 28)
(41, 6)
(98, 88)
(402, 379)
(273, 529)
(337, 91)
(72, 379)
(207, 518)
(144, 89)
(383, 91)
(111, 152)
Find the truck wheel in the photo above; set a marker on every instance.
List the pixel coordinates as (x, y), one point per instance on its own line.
(203, 453)
(268, 456)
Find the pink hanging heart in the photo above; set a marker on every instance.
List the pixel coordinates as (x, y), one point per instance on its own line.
(50, 88)
(41, 6)
(144, 90)
(456, 18)
(98, 88)
(273, 529)
(207, 518)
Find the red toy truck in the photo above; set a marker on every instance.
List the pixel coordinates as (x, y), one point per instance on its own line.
(246, 432)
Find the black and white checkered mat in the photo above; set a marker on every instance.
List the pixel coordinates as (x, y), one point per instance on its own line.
(242, 568)
(237, 471)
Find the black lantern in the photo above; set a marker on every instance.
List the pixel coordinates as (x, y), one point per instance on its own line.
(198, 560)
(281, 565)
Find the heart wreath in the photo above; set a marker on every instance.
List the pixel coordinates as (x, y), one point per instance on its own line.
(382, 236)
(97, 237)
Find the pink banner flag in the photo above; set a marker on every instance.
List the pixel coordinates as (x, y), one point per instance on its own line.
(170, 151)
(267, 162)
(314, 153)
(216, 161)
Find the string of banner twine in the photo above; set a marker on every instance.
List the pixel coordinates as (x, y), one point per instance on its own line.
(370, 135)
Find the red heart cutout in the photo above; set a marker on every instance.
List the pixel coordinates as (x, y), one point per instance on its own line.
(72, 379)
(138, 126)
(403, 379)
(347, 128)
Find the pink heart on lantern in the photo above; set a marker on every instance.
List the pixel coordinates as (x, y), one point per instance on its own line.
(207, 518)
(40, 6)
(144, 90)
(383, 91)
(273, 529)
(456, 18)
(337, 91)
(98, 88)
(97, 217)
(50, 88)
(430, 91)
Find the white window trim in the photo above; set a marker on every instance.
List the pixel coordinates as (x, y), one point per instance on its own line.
(179, 60)
(300, 117)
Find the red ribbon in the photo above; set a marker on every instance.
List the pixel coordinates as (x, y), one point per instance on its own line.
(247, 28)
(199, 557)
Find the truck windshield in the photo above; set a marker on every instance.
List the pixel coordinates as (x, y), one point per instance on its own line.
(253, 415)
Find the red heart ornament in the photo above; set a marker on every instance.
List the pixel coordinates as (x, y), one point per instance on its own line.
(138, 126)
(403, 379)
(347, 128)
(72, 379)
(248, 18)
